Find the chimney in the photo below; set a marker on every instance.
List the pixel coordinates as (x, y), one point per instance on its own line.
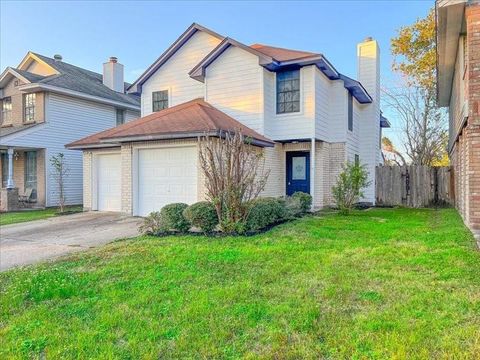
(113, 75)
(368, 54)
(368, 57)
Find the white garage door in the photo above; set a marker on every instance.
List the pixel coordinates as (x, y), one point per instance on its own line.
(108, 182)
(166, 176)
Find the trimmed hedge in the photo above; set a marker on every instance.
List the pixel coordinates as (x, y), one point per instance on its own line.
(264, 212)
(304, 199)
(202, 215)
(171, 218)
(152, 224)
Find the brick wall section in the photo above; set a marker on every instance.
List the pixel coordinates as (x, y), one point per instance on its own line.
(328, 163)
(465, 155)
(10, 90)
(87, 180)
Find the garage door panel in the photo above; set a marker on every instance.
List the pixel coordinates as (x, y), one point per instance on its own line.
(166, 176)
(109, 182)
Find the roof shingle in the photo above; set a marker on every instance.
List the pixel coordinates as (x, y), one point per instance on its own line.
(193, 118)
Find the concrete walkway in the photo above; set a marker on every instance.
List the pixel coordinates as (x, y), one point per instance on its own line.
(35, 241)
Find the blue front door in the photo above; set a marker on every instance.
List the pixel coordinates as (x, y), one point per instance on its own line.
(298, 172)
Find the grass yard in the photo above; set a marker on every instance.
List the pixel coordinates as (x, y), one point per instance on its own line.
(29, 215)
(383, 283)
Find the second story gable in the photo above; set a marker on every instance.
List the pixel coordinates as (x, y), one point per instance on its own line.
(24, 91)
(281, 93)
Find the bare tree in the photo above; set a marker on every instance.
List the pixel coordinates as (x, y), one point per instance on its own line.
(423, 125)
(60, 172)
(391, 154)
(234, 174)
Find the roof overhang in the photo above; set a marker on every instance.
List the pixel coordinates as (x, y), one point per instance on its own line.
(136, 87)
(384, 123)
(269, 63)
(91, 146)
(180, 135)
(34, 87)
(198, 72)
(31, 57)
(8, 74)
(449, 24)
(356, 89)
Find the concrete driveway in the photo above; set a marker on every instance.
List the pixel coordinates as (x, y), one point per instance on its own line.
(34, 241)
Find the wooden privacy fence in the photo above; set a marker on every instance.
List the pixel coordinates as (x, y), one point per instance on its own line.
(413, 186)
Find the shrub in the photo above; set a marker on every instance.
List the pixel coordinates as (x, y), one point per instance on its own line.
(293, 207)
(264, 212)
(304, 199)
(348, 190)
(171, 218)
(202, 215)
(151, 224)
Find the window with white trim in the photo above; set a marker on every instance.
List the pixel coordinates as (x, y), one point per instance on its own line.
(29, 107)
(6, 110)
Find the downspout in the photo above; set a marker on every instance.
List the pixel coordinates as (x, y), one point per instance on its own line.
(312, 172)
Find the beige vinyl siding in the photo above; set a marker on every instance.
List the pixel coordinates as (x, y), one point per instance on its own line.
(235, 86)
(173, 75)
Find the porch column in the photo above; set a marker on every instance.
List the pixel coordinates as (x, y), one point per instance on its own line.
(10, 183)
(312, 172)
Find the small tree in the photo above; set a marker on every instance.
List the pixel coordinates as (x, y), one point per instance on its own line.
(60, 171)
(234, 174)
(348, 190)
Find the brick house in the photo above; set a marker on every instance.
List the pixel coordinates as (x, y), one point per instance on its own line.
(458, 80)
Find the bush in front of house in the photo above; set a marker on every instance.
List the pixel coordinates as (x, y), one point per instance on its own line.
(202, 215)
(151, 224)
(304, 199)
(264, 212)
(349, 187)
(172, 219)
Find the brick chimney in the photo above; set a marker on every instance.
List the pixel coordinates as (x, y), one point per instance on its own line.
(113, 75)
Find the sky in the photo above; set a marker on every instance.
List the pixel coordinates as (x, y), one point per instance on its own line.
(86, 33)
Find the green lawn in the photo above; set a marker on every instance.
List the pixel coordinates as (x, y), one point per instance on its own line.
(383, 283)
(29, 215)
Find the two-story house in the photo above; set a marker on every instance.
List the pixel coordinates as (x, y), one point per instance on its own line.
(458, 86)
(307, 116)
(46, 103)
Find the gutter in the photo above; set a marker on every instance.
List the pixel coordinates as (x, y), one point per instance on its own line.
(186, 135)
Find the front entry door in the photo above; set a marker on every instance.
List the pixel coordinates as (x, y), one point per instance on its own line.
(298, 172)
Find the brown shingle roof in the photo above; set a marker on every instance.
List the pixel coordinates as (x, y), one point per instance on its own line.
(190, 119)
(281, 54)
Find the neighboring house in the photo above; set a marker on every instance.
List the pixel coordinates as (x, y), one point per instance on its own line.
(46, 103)
(309, 118)
(458, 83)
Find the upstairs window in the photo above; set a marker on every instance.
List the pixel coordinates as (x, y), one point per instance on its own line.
(159, 100)
(357, 159)
(7, 110)
(288, 92)
(29, 107)
(120, 117)
(350, 112)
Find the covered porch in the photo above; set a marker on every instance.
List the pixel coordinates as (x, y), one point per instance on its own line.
(22, 172)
